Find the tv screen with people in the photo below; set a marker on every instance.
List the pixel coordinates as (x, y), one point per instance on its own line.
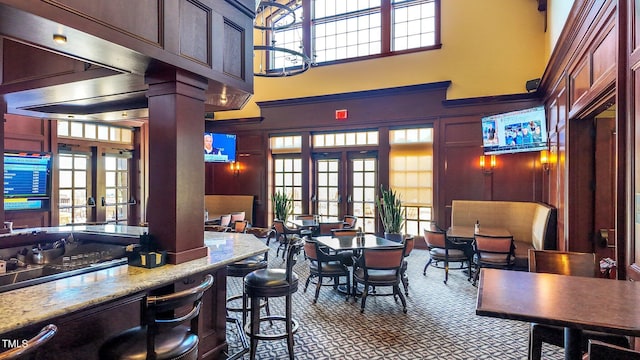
(515, 131)
(219, 147)
(27, 180)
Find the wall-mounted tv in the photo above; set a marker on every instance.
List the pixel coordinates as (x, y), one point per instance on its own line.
(515, 131)
(27, 180)
(219, 147)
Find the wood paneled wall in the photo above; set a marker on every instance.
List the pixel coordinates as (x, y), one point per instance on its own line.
(457, 143)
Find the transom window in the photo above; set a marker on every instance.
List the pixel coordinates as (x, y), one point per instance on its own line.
(339, 30)
(345, 139)
(91, 131)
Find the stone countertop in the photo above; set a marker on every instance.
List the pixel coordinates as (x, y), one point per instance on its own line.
(40, 303)
(107, 229)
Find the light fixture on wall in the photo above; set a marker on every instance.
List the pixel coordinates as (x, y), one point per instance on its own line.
(487, 163)
(235, 168)
(544, 160)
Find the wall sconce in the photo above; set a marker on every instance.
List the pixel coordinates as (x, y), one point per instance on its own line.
(487, 163)
(235, 168)
(544, 160)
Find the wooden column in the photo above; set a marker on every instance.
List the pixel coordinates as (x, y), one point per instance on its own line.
(176, 163)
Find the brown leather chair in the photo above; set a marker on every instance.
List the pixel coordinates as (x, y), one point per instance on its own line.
(409, 243)
(323, 265)
(350, 221)
(285, 235)
(225, 220)
(493, 252)
(441, 248)
(572, 264)
(237, 216)
(163, 335)
(240, 226)
(599, 350)
(325, 228)
(45, 334)
(379, 267)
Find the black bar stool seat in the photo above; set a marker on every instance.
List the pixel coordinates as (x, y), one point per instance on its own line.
(269, 283)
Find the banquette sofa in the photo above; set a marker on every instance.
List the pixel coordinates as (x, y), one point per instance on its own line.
(532, 224)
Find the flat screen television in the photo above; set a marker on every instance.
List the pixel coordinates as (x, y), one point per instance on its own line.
(27, 180)
(515, 131)
(219, 147)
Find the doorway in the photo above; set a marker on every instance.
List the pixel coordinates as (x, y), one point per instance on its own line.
(345, 184)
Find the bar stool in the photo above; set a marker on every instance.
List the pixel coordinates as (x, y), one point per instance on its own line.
(267, 283)
(45, 334)
(241, 269)
(163, 335)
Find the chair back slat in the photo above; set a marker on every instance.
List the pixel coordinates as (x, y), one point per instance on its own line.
(310, 250)
(435, 239)
(325, 228)
(344, 232)
(237, 216)
(493, 244)
(563, 262)
(383, 258)
(225, 220)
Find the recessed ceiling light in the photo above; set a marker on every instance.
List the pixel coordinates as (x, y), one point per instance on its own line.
(60, 39)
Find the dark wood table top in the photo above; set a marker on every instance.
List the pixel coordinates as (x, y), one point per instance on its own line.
(467, 232)
(569, 301)
(340, 243)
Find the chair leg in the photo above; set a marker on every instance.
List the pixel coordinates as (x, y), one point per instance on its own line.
(405, 282)
(470, 274)
(396, 289)
(446, 271)
(306, 284)
(289, 327)
(348, 281)
(255, 326)
(364, 297)
(318, 285)
(476, 275)
(424, 271)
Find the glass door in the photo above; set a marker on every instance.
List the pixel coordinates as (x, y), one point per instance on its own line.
(345, 184)
(116, 199)
(74, 191)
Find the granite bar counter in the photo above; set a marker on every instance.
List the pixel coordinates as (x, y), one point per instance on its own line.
(59, 300)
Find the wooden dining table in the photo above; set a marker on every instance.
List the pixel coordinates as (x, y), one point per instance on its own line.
(575, 303)
(344, 243)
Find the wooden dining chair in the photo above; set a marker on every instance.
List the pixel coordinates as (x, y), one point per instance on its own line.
(225, 220)
(325, 228)
(493, 252)
(599, 350)
(572, 264)
(442, 249)
(379, 267)
(285, 235)
(350, 221)
(323, 265)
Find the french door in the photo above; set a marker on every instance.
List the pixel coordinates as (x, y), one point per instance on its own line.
(345, 184)
(83, 179)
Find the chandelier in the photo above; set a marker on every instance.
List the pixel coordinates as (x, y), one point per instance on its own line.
(274, 60)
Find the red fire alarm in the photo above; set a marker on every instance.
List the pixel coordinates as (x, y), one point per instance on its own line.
(341, 114)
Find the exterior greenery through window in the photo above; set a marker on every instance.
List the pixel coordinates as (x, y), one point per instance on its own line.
(338, 30)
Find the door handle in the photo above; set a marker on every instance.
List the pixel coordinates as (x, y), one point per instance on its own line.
(349, 200)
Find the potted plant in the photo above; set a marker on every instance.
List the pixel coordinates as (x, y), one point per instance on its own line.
(391, 213)
(282, 206)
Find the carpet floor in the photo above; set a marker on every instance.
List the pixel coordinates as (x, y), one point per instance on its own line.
(440, 322)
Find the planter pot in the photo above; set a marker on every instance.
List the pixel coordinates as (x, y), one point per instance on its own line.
(397, 237)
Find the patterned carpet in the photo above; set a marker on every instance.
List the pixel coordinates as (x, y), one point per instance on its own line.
(440, 323)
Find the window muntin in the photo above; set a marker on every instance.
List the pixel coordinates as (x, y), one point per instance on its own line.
(73, 187)
(358, 138)
(90, 131)
(346, 29)
(411, 175)
(414, 24)
(287, 173)
(339, 30)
